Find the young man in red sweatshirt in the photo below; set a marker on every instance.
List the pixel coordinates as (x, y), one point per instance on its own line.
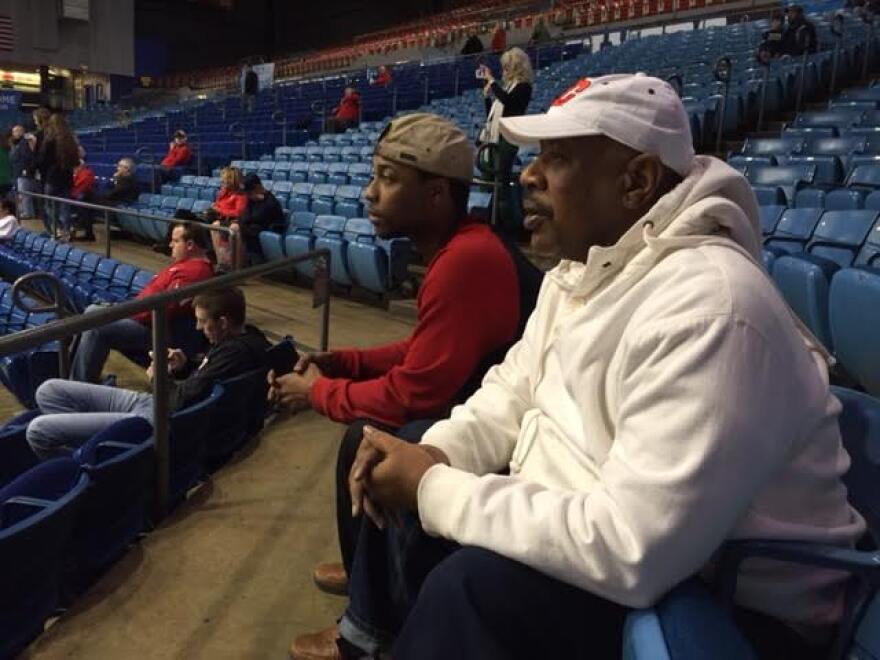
(189, 265)
(471, 307)
(179, 153)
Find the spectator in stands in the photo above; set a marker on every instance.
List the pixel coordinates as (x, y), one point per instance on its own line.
(540, 33)
(73, 412)
(250, 88)
(226, 211)
(347, 114)
(509, 98)
(473, 303)
(5, 163)
(23, 162)
(473, 44)
(662, 400)
(772, 40)
(83, 190)
(57, 157)
(8, 222)
(499, 39)
(383, 77)
(125, 186)
(40, 118)
(262, 213)
(178, 155)
(800, 33)
(190, 264)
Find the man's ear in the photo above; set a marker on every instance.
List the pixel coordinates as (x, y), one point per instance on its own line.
(641, 180)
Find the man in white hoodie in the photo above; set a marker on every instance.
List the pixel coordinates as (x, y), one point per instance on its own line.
(662, 400)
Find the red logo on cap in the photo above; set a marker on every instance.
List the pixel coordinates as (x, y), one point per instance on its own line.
(572, 91)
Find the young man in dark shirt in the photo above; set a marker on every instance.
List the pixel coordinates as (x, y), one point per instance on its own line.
(73, 411)
(263, 213)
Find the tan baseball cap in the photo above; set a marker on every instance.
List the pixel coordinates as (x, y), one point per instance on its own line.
(428, 143)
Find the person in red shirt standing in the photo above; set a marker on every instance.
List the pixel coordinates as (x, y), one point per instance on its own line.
(347, 114)
(499, 39)
(471, 306)
(83, 190)
(383, 77)
(227, 208)
(179, 154)
(189, 265)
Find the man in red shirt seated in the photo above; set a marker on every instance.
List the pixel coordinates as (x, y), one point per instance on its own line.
(347, 114)
(383, 77)
(83, 190)
(189, 265)
(472, 305)
(179, 153)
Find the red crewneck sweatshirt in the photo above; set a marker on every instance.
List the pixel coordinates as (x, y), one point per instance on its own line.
(468, 307)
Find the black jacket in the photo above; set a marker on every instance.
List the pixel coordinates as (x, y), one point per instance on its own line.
(790, 43)
(472, 45)
(262, 215)
(225, 360)
(125, 189)
(23, 159)
(52, 170)
(251, 83)
(515, 102)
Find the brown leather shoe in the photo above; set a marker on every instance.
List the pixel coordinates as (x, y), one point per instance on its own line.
(330, 578)
(316, 646)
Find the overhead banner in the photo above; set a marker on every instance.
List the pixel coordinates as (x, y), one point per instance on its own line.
(10, 100)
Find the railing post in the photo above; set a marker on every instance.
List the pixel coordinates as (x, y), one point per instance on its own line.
(160, 411)
(723, 73)
(107, 234)
(145, 156)
(321, 296)
(281, 119)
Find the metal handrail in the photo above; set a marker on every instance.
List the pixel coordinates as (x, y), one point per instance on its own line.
(139, 214)
(64, 328)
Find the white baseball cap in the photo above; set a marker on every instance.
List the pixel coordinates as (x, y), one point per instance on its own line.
(641, 112)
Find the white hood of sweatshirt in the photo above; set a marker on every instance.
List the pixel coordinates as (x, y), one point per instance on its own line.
(662, 399)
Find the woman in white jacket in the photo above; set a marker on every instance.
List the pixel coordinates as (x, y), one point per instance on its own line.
(663, 399)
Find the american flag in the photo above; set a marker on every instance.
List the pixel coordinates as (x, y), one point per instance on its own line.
(7, 37)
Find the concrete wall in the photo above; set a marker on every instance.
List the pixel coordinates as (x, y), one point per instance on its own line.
(104, 43)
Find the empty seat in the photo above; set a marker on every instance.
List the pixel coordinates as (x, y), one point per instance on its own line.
(374, 264)
(347, 201)
(867, 176)
(328, 231)
(840, 234)
(300, 240)
(323, 199)
(793, 230)
(772, 146)
(788, 178)
(843, 199)
(770, 216)
(854, 318)
(869, 254)
(804, 283)
(39, 510)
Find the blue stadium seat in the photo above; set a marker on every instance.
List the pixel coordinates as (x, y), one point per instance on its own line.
(840, 234)
(855, 317)
(374, 264)
(323, 199)
(238, 416)
(120, 462)
(788, 178)
(360, 174)
(188, 429)
(772, 146)
(299, 171)
(300, 240)
(16, 455)
(328, 232)
(829, 169)
(793, 230)
(805, 283)
(770, 216)
(301, 199)
(809, 198)
(844, 199)
(866, 176)
(38, 512)
(869, 254)
(690, 622)
(347, 201)
(281, 171)
(337, 173)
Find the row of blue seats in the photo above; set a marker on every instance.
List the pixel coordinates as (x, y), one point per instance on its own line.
(781, 184)
(86, 276)
(66, 520)
(827, 266)
(338, 172)
(358, 256)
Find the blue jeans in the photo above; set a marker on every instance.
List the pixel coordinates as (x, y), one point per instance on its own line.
(386, 568)
(95, 346)
(73, 412)
(56, 212)
(26, 202)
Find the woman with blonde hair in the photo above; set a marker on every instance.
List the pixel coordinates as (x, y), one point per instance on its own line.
(58, 156)
(228, 206)
(509, 98)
